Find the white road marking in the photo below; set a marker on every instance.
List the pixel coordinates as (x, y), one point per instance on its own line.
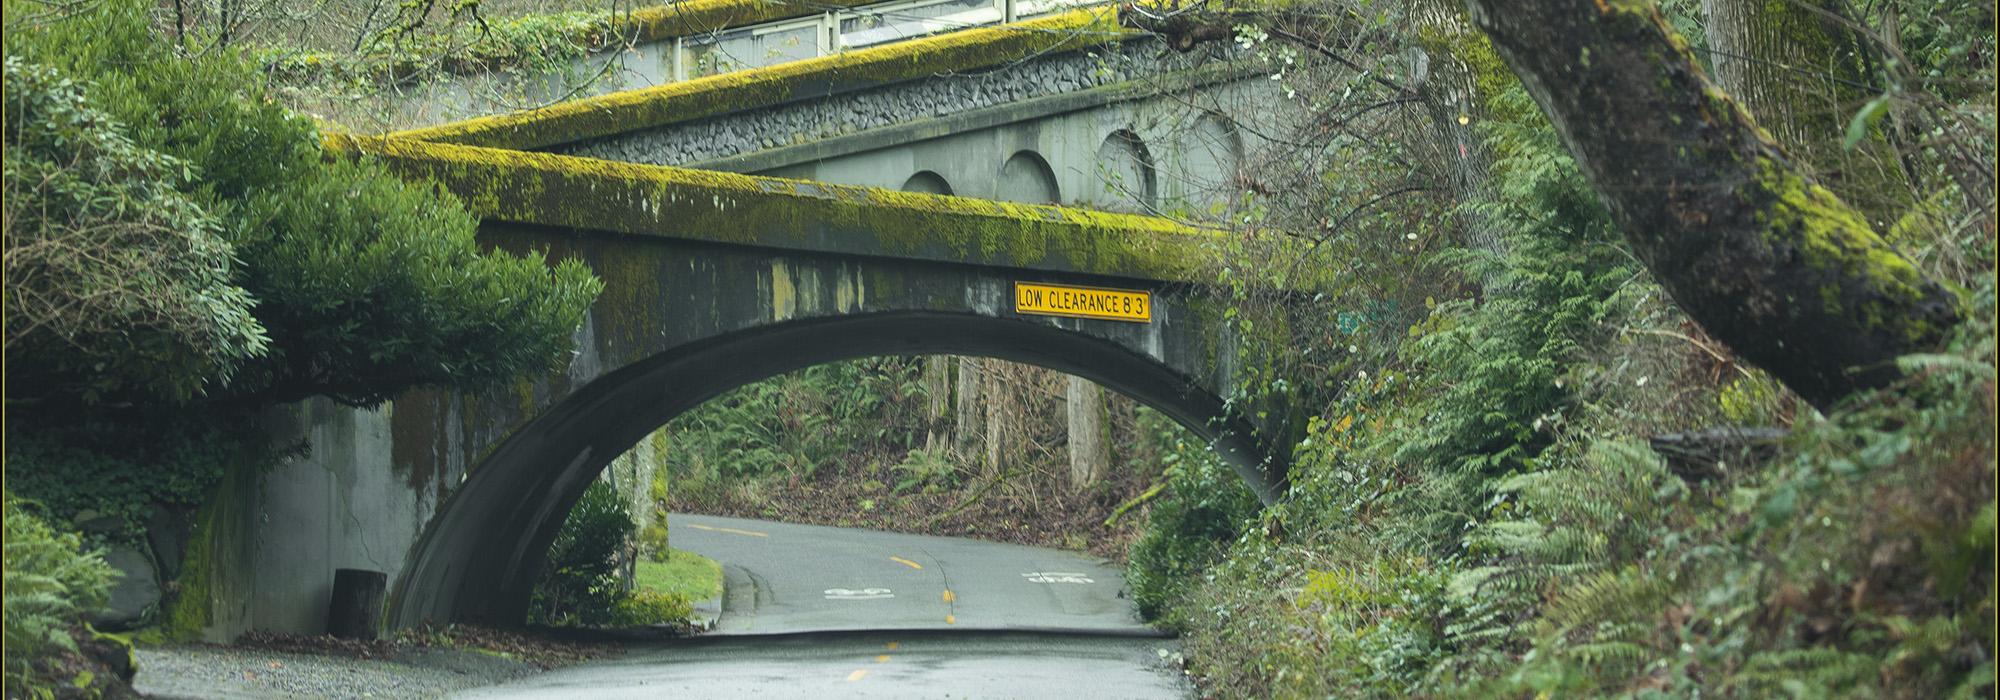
(1057, 577)
(862, 594)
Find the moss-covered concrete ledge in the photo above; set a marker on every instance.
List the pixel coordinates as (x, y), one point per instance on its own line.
(647, 108)
(651, 200)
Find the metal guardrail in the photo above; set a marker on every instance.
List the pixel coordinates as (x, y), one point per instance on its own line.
(843, 28)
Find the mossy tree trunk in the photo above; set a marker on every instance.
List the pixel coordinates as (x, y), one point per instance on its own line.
(1768, 261)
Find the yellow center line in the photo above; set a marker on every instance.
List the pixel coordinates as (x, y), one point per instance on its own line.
(729, 530)
(892, 646)
(882, 659)
(858, 674)
(906, 562)
(949, 596)
(951, 619)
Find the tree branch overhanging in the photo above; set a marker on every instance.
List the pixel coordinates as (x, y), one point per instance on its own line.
(1790, 277)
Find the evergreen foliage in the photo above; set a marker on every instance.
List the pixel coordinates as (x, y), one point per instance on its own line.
(118, 282)
(581, 583)
(365, 284)
(52, 581)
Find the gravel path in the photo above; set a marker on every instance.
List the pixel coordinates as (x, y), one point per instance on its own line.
(227, 673)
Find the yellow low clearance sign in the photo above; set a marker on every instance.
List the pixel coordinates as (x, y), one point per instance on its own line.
(1135, 306)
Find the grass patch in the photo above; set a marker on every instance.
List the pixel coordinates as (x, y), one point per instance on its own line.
(686, 573)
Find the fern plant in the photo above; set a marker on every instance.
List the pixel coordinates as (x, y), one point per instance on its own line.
(52, 581)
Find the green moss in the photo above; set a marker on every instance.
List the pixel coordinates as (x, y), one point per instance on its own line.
(1833, 238)
(216, 525)
(621, 112)
(583, 193)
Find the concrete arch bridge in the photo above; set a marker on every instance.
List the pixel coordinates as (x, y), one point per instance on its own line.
(715, 279)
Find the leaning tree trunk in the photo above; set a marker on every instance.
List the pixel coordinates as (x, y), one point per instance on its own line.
(1792, 278)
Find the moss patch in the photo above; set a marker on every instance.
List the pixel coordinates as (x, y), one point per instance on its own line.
(633, 110)
(584, 193)
(1832, 238)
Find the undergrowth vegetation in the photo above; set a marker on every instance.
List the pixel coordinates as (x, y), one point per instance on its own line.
(1536, 478)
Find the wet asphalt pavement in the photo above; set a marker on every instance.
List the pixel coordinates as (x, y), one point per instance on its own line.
(826, 612)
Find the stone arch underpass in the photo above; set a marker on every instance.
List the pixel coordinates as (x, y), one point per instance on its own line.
(714, 280)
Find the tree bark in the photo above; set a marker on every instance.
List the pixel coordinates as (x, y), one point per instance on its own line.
(937, 398)
(1768, 261)
(1449, 91)
(1089, 451)
(967, 426)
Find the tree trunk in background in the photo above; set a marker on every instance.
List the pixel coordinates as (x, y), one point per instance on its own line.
(968, 423)
(1768, 261)
(997, 401)
(937, 398)
(1089, 451)
(1450, 94)
(1800, 74)
(631, 475)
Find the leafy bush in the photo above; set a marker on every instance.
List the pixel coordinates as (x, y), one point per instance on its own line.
(118, 282)
(646, 608)
(795, 423)
(581, 582)
(367, 285)
(51, 583)
(114, 469)
(1187, 531)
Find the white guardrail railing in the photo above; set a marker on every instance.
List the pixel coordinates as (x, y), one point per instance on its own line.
(840, 29)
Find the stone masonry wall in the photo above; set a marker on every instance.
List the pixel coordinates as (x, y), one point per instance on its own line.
(897, 103)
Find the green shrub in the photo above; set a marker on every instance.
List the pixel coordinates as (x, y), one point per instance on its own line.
(646, 608)
(1207, 507)
(653, 542)
(112, 470)
(52, 581)
(367, 285)
(796, 423)
(580, 583)
(118, 282)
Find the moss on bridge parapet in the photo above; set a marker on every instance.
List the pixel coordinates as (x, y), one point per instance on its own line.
(584, 193)
(633, 110)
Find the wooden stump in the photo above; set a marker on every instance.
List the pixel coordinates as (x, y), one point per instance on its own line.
(355, 611)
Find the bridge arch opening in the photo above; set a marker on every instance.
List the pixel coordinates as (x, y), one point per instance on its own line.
(927, 182)
(479, 557)
(1027, 177)
(1128, 170)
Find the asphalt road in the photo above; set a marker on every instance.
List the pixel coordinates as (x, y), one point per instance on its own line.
(830, 612)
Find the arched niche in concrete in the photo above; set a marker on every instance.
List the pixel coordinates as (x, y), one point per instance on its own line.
(1214, 152)
(927, 182)
(478, 558)
(1125, 166)
(1027, 178)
